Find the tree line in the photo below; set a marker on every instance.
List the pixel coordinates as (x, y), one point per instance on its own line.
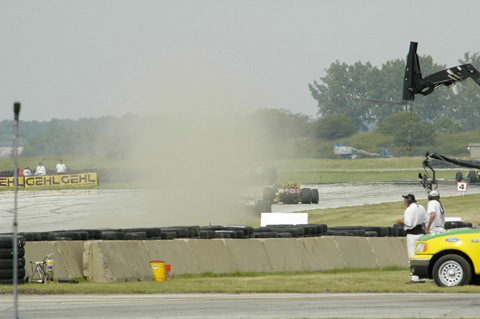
(282, 133)
(335, 93)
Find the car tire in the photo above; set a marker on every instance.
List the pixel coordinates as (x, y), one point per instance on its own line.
(459, 177)
(306, 196)
(472, 177)
(451, 271)
(315, 196)
(6, 241)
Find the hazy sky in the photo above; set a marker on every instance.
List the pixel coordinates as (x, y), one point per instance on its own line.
(73, 59)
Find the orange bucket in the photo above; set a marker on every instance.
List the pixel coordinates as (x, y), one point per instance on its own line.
(167, 272)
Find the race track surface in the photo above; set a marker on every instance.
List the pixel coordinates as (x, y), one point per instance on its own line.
(245, 306)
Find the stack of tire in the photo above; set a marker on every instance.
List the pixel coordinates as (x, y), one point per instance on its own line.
(7, 259)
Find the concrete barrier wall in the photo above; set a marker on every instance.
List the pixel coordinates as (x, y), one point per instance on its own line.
(120, 261)
(68, 257)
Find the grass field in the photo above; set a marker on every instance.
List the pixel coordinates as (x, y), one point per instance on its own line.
(361, 170)
(341, 281)
(386, 214)
(306, 171)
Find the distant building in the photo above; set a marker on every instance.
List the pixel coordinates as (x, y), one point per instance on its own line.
(474, 149)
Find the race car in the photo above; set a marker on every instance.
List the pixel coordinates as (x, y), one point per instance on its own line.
(451, 259)
(290, 193)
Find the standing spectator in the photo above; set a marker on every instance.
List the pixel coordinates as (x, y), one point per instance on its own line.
(414, 219)
(436, 214)
(27, 171)
(61, 167)
(40, 169)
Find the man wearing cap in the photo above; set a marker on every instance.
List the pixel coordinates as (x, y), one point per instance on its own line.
(435, 214)
(414, 218)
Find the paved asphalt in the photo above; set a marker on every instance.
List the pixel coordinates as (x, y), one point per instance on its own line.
(86, 209)
(232, 306)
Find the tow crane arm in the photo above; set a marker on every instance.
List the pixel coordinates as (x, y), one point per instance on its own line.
(415, 84)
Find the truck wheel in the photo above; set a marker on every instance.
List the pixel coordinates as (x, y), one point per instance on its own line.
(306, 196)
(451, 271)
(314, 196)
(459, 177)
(268, 194)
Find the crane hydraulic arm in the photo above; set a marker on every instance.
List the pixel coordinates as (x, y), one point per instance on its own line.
(462, 163)
(414, 83)
(430, 183)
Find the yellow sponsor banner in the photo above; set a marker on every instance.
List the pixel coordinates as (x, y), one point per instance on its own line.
(84, 179)
(10, 181)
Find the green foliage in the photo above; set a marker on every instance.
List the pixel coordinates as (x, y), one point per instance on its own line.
(465, 106)
(26, 131)
(341, 81)
(280, 124)
(447, 125)
(104, 135)
(63, 140)
(455, 144)
(334, 126)
(281, 132)
(368, 82)
(396, 126)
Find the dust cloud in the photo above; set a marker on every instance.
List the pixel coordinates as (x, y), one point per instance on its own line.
(197, 164)
(196, 146)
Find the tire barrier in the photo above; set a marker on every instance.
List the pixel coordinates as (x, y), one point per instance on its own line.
(457, 224)
(218, 231)
(7, 260)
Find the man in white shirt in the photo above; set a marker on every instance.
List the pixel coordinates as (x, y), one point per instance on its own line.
(61, 168)
(40, 169)
(415, 217)
(436, 214)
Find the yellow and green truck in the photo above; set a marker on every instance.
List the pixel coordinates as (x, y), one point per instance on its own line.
(451, 259)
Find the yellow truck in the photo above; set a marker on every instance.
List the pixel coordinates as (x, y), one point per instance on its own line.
(451, 259)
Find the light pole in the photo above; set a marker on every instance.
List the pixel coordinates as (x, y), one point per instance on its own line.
(16, 111)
